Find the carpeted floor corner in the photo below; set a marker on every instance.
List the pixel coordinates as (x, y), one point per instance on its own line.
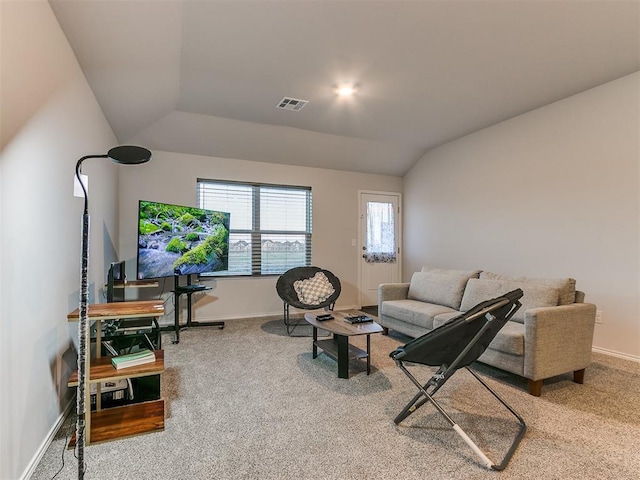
(250, 402)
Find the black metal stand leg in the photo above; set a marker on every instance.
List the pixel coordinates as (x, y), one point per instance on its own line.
(343, 355)
(315, 339)
(193, 323)
(176, 317)
(184, 290)
(368, 354)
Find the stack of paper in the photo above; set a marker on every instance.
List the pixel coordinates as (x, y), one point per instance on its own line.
(133, 359)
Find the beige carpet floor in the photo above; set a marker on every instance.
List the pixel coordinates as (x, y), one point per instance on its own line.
(249, 402)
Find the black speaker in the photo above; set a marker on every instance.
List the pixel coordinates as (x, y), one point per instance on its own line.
(115, 282)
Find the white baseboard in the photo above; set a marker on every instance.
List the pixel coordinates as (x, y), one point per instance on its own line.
(612, 353)
(47, 441)
(278, 314)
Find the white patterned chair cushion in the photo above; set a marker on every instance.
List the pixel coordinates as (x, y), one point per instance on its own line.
(314, 290)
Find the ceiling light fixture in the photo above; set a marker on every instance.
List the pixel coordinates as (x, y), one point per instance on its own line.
(346, 90)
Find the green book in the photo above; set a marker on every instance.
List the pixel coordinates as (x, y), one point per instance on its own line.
(133, 359)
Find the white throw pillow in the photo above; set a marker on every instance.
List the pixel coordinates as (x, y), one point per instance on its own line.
(315, 290)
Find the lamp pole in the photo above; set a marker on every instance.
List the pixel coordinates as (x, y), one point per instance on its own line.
(128, 155)
(83, 323)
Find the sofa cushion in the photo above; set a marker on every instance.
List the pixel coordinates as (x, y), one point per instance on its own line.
(510, 339)
(413, 311)
(438, 288)
(449, 271)
(566, 286)
(443, 318)
(534, 296)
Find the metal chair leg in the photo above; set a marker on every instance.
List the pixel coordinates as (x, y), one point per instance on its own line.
(291, 326)
(418, 401)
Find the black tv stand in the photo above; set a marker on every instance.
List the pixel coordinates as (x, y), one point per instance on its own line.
(188, 289)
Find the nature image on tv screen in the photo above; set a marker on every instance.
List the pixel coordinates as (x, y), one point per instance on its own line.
(174, 239)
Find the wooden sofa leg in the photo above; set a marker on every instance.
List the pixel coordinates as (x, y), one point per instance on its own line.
(385, 331)
(578, 376)
(535, 387)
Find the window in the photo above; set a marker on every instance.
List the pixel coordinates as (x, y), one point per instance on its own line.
(270, 229)
(380, 242)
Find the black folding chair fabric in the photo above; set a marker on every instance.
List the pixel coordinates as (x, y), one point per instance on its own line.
(456, 345)
(289, 296)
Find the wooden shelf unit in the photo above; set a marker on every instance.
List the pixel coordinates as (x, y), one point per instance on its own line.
(103, 371)
(134, 419)
(120, 422)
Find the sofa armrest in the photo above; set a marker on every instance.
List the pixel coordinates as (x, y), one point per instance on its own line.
(558, 339)
(392, 291)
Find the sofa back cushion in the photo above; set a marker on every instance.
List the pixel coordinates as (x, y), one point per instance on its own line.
(450, 271)
(534, 296)
(438, 288)
(566, 286)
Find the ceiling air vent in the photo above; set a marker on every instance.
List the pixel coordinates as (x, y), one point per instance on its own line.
(294, 104)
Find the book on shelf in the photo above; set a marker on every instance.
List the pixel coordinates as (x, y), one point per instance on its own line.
(133, 359)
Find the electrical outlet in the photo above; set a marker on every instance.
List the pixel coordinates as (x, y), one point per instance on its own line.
(599, 316)
(77, 189)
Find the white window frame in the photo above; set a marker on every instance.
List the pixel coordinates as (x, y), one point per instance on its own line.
(255, 232)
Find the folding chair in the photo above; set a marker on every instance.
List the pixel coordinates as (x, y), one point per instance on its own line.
(455, 345)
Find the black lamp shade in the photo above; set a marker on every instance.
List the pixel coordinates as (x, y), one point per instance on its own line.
(129, 154)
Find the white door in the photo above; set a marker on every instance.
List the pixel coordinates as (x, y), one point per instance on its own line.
(379, 243)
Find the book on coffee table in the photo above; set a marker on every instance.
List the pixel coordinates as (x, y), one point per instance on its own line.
(357, 318)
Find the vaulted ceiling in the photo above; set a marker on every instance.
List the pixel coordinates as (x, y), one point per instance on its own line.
(205, 77)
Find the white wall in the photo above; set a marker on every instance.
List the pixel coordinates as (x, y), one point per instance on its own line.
(50, 118)
(551, 193)
(171, 178)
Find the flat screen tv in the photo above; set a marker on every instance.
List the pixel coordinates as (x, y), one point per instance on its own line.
(180, 240)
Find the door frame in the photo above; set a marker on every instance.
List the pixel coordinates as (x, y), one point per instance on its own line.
(360, 232)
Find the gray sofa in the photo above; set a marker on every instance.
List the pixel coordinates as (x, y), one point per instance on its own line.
(551, 334)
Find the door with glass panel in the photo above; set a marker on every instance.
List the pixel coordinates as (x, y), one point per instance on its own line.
(379, 243)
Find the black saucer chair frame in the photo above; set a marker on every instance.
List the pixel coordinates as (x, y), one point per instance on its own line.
(286, 291)
(453, 346)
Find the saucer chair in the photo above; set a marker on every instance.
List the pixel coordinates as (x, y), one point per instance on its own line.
(307, 288)
(456, 345)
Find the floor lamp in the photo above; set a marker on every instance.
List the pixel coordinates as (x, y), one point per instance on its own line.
(127, 155)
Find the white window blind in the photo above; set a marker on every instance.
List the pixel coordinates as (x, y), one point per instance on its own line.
(270, 227)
